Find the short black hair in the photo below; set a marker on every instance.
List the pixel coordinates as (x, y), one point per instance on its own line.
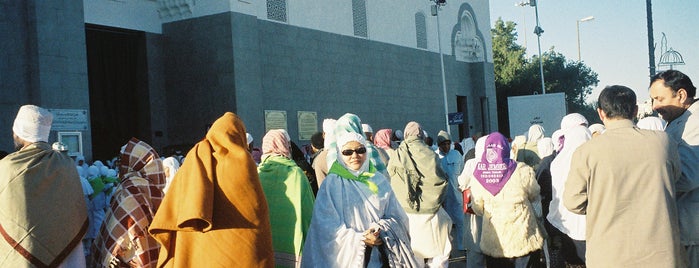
(429, 141)
(618, 102)
(675, 80)
(317, 140)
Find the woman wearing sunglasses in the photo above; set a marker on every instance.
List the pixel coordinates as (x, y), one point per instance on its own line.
(357, 220)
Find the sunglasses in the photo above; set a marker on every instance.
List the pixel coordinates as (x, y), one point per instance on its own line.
(348, 152)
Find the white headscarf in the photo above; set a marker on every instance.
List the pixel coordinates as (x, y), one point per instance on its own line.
(399, 134)
(571, 224)
(172, 165)
(249, 138)
(545, 147)
(517, 143)
(651, 123)
(573, 119)
(87, 188)
(535, 133)
(104, 171)
(470, 164)
(84, 165)
(93, 172)
(33, 123)
(467, 144)
(329, 129)
(346, 138)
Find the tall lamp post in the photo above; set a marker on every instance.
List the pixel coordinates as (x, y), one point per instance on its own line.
(524, 20)
(538, 31)
(435, 12)
(577, 29)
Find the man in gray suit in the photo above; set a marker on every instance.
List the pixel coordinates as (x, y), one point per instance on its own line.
(673, 97)
(624, 181)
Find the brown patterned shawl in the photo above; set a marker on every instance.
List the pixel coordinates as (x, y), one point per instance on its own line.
(124, 238)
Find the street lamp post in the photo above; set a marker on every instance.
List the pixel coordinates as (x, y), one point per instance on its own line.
(538, 31)
(577, 29)
(524, 20)
(435, 12)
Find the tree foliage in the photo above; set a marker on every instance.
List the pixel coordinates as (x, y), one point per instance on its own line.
(516, 75)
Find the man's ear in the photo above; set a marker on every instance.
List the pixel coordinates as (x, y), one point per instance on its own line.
(682, 93)
(602, 114)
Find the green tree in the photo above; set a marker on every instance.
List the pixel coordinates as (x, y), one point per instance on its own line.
(508, 56)
(515, 75)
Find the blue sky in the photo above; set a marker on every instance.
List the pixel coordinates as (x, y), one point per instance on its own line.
(615, 43)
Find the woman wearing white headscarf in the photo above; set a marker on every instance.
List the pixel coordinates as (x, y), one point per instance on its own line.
(651, 123)
(350, 123)
(82, 165)
(573, 119)
(569, 226)
(357, 220)
(467, 144)
(472, 222)
(545, 147)
(170, 167)
(529, 152)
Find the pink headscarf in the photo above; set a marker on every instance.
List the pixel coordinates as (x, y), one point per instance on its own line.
(495, 167)
(276, 142)
(382, 138)
(413, 129)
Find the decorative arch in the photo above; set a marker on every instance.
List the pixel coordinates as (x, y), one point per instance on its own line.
(468, 44)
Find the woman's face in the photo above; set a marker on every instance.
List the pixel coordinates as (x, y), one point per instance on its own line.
(355, 159)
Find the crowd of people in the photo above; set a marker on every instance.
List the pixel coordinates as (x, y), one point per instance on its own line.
(624, 193)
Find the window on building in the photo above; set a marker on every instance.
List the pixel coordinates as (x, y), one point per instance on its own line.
(359, 17)
(421, 30)
(276, 10)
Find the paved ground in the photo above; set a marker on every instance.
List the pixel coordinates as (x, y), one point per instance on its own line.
(458, 260)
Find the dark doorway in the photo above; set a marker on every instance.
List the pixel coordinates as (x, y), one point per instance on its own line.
(462, 107)
(118, 88)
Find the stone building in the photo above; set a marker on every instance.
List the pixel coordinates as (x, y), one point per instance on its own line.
(163, 70)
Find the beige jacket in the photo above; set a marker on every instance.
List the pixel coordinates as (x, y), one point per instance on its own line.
(624, 181)
(510, 227)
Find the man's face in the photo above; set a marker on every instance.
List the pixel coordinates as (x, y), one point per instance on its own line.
(445, 146)
(667, 103)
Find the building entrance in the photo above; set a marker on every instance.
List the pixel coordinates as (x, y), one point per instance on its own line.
(117, 76)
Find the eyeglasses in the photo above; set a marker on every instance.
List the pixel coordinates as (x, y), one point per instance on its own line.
(348, 152)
